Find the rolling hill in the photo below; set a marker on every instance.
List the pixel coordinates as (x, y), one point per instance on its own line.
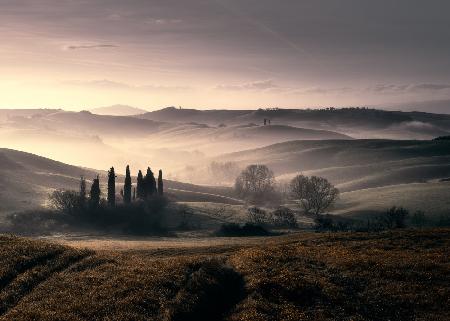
(353, 164)
(118, 110)
(305, 276)
(355, 122)
(27, 179)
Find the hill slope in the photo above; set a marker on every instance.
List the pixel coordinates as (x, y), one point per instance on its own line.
(118, 110)
(26, 180)
(299, 277)
(354, 164)
(355, 122)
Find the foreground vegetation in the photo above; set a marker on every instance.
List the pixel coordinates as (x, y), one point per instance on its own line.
(394, 275)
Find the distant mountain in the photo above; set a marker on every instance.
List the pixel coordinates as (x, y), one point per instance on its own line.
(118, 110)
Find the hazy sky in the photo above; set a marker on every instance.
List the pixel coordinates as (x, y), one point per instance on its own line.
(79, 54)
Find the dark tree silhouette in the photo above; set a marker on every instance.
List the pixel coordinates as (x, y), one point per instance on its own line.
(82, 190)
(140, 192)
(160, 184)
(256, 183)
(127, 187)
(134, 193)
(111, 187)
(313, 194)
(94, 194)
(149, 184)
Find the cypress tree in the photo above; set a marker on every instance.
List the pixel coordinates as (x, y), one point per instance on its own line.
(111, 187)
(149, 183)
(160, 184)
(127, 187)
(82, 190)
(140, 192)
(94, 194)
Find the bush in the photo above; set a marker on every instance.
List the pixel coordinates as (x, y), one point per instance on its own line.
(394, 218)
(335, 224)
(256, 216)
(323, 223)
(284, 217)
(418, 219)
(234, 229)
(68, 202)
(141, 217)
(37, 222)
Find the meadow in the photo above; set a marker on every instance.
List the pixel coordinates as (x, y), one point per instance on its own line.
(394, 275)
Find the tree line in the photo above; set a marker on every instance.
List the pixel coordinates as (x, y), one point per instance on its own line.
(147, 187)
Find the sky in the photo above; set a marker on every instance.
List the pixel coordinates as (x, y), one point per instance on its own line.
(80, 54)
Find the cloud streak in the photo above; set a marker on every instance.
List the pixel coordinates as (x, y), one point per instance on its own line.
(91, 46)
(110, 84)
(259, 85)
(408, 88)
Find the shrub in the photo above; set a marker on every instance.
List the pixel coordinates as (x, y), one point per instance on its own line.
(37, 221)
(323, 223)
(68, 202)
(142, 217)
(394, 218)
(256, 216)
(418, 219)
(284, 217)
(248, 229)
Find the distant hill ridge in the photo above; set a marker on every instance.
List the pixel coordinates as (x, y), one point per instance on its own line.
(118, 110)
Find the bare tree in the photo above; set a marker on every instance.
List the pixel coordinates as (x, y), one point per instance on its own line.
(65, 201)
(313, 194)
(256, 183)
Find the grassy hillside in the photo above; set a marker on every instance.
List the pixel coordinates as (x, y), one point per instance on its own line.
(354, 164)
(393, 276)
(433, 198)
(27, 179)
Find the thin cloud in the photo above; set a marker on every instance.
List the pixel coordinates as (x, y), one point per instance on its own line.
(110, 84)
(408, 88)
(260, 85)
(94, 46)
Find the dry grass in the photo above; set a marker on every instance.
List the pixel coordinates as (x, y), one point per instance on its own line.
(401, 275)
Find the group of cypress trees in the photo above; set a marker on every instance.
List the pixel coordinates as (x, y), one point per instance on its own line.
(146, 187)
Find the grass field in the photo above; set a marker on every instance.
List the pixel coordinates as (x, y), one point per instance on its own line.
(403, 275)
(433, 198)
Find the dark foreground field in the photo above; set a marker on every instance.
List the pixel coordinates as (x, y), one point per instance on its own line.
(390, 276)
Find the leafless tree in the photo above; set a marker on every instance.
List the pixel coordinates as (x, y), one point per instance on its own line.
(65, 201)
(256, 183)
(313, 194)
